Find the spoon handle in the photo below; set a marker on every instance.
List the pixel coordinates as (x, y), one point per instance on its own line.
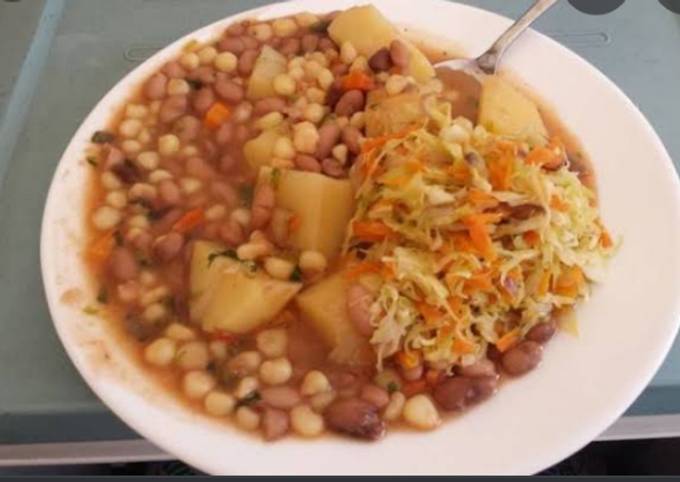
(489, 60)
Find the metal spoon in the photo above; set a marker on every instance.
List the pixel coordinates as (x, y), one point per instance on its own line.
(487, 63)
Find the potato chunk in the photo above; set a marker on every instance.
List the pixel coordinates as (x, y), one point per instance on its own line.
(387, 115)
(323, 206)
(259, 151)
(226, 296)
(369, 31)
(268, 65)
(324, 306)
(506, 111)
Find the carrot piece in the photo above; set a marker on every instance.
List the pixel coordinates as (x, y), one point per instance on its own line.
(375, 231)
(508, 340)
(101, 248)
(570, 282)
(190, 221)
(480, 282)
(217, 115)
(431, 314)
(460, 172)
(558, 204)
(500, 172)
(388, 272)
(482, 199)
(544, 283)
(462, 346)
(408, 360)
(550, 157)
(361, 268)
(532, 238)
(479, 234)
(414, 388)
(358, 80)
(606, 239)
(375, 142)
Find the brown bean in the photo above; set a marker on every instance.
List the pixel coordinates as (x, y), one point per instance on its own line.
(242, 134)
(229, 91)
(168, 193)
(232, 233)
(542, 332)
(290, 46)
(380, 61)
(307, 163)
(459, 393)
(123, 264)
(275, 424)
(199, 168)
(481, 368)
(247, 61)
(208, 148)
(329, 135)
(168, 246)
(203, 100)
(399, 54)
(339, 69)
(234, 45)
(250, 42)
(375, 395)
(187, 128)
(236, 29)
(355, 417)
(112, 157)
(332, 168)
(224, 134)
(264, 200)
(351, 136)
(228, 163)
(326, 43)
(310, 42)
(526, 211)
(164, 224)
(155, 87)
(359, 301)
(269, 104)
(522, 358)
(174, 71)
(352, 101)
(284, 398)
(173, 108)
(225, 192)
(204, 74)
(142, 241)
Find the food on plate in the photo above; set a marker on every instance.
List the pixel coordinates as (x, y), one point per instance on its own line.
(300, 226)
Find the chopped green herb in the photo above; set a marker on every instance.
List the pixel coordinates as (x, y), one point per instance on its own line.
(195, 84)
(102, 296)
(296, 275)
(250, 399)
(392, 387)
(92, 161)
(246, 193)
(90, 310)
(102, 137)
(229, 253)
(276, 177)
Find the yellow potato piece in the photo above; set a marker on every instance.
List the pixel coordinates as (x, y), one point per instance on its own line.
(268, 65)
(504, 110)
(242, 302)
(387, 115)
(204, 272)
(369, 31)
(258, 151)
(322, 204)
(324, 306)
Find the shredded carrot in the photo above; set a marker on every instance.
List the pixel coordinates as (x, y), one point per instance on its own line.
(374, 231)
(413, 388)
(549, 157)
(408, 360)
(544, 283)
(101, 248)
(388, 272)
(479, 233)
(397, 181)
(460, 173)
(455, 303)
(480, 282)
(606, 239)
(431, 314)
(358, 80)
(463, 243)
(532, 238)
(190, 221)
(482, 199)
(217, 115)
(558, 204)
(375, 142)
(361, 268)
(570, 282)
(508, 340)
(463, 347)
(500, 172)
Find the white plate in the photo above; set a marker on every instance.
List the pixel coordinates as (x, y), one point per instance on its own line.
(584, 384)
